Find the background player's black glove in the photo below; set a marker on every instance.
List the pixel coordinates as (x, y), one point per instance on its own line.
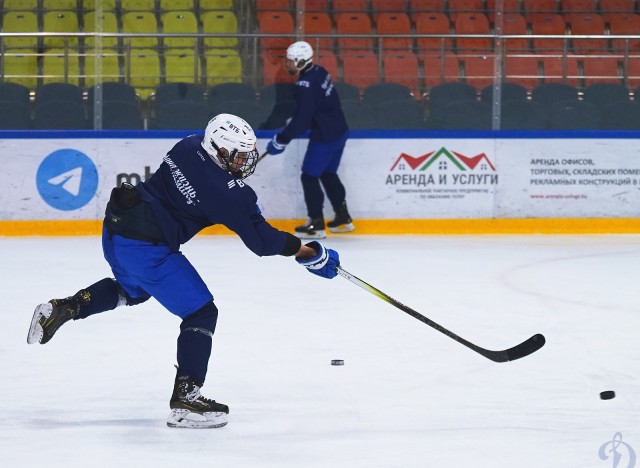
(275, 147)
(324, 263)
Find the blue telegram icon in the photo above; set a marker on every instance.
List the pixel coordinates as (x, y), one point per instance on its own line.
(67, 179)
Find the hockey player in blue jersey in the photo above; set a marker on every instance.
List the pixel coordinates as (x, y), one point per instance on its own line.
(199, 183)
(318, 109)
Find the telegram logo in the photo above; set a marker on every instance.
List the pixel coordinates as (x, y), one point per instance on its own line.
(67, 179)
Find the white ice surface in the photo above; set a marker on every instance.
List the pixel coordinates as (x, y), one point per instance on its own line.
(97, 395)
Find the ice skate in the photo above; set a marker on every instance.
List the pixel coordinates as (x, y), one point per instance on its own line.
(189, 409)
(342, 222)
(49, 317)
(312, 229)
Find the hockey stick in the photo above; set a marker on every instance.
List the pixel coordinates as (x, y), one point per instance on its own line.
(525, 348)
(262, 156)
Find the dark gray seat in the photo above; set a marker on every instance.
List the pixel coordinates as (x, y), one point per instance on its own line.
(574, 115)
(621, 115)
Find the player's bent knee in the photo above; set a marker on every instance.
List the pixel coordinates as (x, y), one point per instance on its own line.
(201, 321)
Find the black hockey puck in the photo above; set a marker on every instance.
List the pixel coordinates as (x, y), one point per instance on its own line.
(607, 395)
(337, 362)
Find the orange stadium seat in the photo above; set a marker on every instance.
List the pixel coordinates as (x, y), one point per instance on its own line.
(440, 69)
(464, 6)
(569, 7)
(402, 69)
(515, 24)
(418, 7)
(478, 70)
(621, 25)
(534, 8)
(522, 69)
(508, 7)
(272, 69)
(432, 23)
(602, 68)
(611, 8)
(588, 24)
(272, 5)
(472, 23)
(317, 5)
(354, 23)
(559, 69)
(318, 23)
(552, 24)
(632, 72)
(340, 6)
(275, 22)
(360, 68)
(328, 60)
(394, 23)
(379, 6)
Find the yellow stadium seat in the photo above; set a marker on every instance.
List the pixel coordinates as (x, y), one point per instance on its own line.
(138, 5)
(20, 5)
(140, 22)
(216, 4)
(109, 64)
(223, 65)
(108, 23)
(20, 22)
(182, 67)
(105, 5)
(60, 67)
(181, 5)
(60, 4)
(142, 71)
(180, 22)
(220, 22)
(60, 22)
(21, 66)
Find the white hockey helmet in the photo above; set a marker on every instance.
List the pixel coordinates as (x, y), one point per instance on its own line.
(231, 141)
(300, 53)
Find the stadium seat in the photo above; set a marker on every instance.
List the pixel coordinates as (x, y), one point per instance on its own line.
(275, 116)
(621, 115)
(354, 23)
(381, 6)
(441, 69)
(179, 22)
(58, 65)
(275, 22)
(443, 94)
(318, 23)
(277, 92)
(621, 25)
(182, 115)
(382, 92)
(60, 22)
(509, 7)
(341, 6)
(632, 72)
(580, 7)
(177, 5)
(60, 115)
(177, 92)
(21, 67)
(394, 23)
(142, 71)
(522, 68)
(221, 22)
(515, 24)
(316, 5)
(20, 22)
(402, 68)
(465, 7)
(549, 24)
(602, 94)
(588, 24)
(109, 67)
(602, 68)
(119, 92)
(121, 115)
(548, 93)
(273, 70)
(205, 5)
(328, 60)
(534, 9)
(138, 5)
(222, 66)
(478, 69)
(472, 23)
(358, 117)
(399, 114)
(15, 115)
(360, 68)
(140, 22)
(230, 92)
(560, 69)
(106, 5)
(57, 92)
(573, 115)
(266, 5)
(251, 111)
(182, 66)
(108, 23)
(523, 115)
(59, 4)
(510, 92)
(347, 92)
(467, 115)
(610, 9)
(420, 7)
(432, 23)
(20, 5)
(14, 92)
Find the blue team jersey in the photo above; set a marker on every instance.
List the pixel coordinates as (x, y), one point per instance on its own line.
(317, 108)
(190, 192)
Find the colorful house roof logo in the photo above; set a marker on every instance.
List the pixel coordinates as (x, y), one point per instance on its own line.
(479, 162)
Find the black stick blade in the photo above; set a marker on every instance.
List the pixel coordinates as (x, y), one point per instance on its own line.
(527, 347)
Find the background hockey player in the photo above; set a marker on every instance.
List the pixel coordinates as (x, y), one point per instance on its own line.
(199, 183)
(317, 108)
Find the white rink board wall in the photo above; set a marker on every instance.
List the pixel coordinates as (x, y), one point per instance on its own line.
(386, 178)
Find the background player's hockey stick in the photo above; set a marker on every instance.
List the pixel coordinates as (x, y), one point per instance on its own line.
(525, 348)
(262, 156)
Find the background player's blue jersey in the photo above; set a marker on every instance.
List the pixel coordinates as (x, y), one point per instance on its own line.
(190, 192)
(317, 108)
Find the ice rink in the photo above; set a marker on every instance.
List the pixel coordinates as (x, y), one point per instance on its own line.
(98, 394)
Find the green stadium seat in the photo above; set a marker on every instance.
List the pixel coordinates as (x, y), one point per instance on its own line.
(223, 66)
(140, 22)
(179, 22)
(219, 22)
(61, 66)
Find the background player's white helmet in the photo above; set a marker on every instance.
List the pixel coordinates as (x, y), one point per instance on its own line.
(300, 53)
(231, 141)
